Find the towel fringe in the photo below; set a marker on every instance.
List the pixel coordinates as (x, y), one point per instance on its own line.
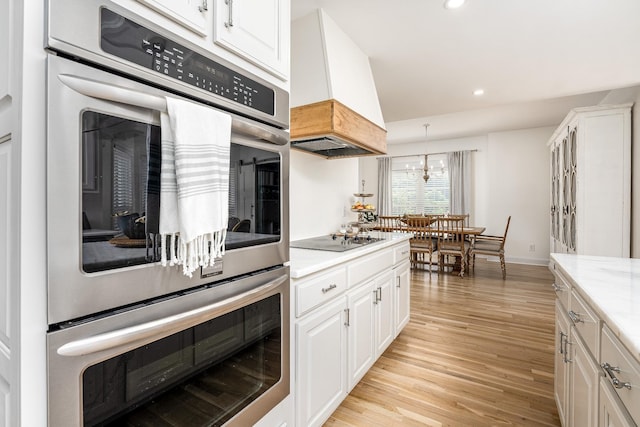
(202, 251)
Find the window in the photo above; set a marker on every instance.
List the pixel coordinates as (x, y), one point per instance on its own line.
(410, 194)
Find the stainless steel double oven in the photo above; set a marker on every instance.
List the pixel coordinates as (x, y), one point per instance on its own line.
(131, 342)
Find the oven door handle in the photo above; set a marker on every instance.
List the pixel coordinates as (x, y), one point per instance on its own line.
(109, 92)
(166, 326)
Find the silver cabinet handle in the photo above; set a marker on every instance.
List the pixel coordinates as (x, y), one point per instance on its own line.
(346, 313)
(565, 355)
(575, 317)
(556, 288)
(379, 294)
(614, 380)
(562, 337)
(203, 7)
(229, 22)
(375, 296)
(397, 282)
(165, 326)
(328, 288)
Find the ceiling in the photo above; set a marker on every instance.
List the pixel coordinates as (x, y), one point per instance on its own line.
(535, 59)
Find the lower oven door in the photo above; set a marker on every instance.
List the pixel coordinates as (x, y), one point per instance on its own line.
(212, 356)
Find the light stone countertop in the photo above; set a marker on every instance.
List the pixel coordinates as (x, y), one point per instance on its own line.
(611, 286)
(305, 261)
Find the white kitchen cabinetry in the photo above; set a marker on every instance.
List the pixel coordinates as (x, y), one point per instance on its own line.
(622, 376)
(576, 371)
(191, 14)
(257, 30)
(612, 412)
(583, 387)
(561, 380)
(345, 319)
(384, 311)
(595, 373)
(591, 182)
(401, 272)
(321, 363)
(362, 347)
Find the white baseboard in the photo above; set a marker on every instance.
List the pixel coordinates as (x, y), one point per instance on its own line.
(526, 261)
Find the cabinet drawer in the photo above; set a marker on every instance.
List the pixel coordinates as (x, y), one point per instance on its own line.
(316, 291)
(561, 288)
(625, 368)
(586, 323)
(369, 266)
(401, 253)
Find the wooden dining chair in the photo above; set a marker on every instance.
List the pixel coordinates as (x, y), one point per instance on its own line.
(451, 243)
(465, 217)
(389, 223)
(424, 240)
(490, 245)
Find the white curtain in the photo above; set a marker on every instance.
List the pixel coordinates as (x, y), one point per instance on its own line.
(384, 186)
(459, 163)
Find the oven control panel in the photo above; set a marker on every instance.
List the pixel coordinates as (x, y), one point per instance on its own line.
(128, 40)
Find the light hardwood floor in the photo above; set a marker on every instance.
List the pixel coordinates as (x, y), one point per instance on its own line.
(478, 351)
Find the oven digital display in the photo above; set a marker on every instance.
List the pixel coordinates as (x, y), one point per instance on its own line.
(128, 40)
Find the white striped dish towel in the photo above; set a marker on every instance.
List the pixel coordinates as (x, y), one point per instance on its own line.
(194, 184)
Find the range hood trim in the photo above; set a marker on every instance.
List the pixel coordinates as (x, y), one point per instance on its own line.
(333, 121)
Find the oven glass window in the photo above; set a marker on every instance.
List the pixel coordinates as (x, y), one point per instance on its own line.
(121, 193)
(201, 376)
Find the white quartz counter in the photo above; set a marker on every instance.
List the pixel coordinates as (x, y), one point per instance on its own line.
(612, 287)
(307, 261)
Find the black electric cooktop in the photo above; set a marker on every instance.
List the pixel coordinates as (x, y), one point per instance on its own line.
(334, 243)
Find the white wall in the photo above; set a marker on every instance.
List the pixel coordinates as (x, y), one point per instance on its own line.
(510, 177)
(321, 193)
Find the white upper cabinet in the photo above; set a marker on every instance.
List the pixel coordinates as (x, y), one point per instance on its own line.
(591, 182)
(257, 30)
(191, 14)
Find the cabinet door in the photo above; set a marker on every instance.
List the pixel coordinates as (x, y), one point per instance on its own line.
(191, 14)
(583, 396)
(384, 307)
(361, 302)
(402, 297)
(321, 360)
(257, 30)
(562, 360)
(612, 412)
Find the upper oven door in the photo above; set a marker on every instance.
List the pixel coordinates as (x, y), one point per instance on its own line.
(102, 131)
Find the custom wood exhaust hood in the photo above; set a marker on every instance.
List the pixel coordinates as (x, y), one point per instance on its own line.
(332, 130)
(335, 109)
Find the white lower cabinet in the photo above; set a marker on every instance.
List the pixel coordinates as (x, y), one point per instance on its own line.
(612, 411)
(595, 375)
(583, 400)
(321, 363)
(402, 295)
(341, 329)
(383, 310)
(371, 323)
(561, 379)
(362, 348)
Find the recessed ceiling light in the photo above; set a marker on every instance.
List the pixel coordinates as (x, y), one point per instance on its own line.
(478, 92)
(453, 4)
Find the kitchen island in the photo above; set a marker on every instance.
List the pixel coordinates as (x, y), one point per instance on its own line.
(597, 375)
(347, 307)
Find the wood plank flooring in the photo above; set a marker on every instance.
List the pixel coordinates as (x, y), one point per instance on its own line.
(478, 351)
